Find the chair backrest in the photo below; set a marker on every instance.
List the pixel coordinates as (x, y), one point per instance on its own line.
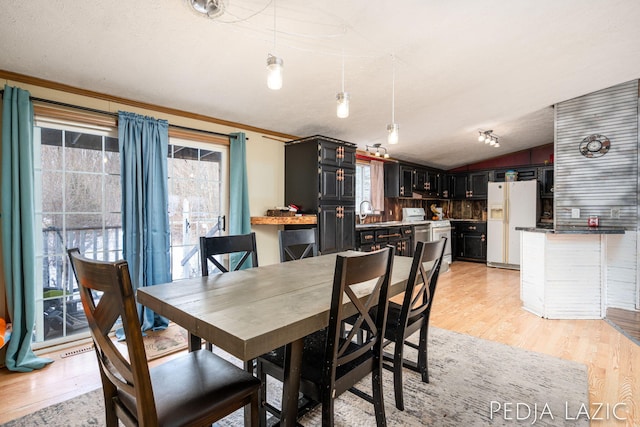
(298, 244)
(220, 245)
(119, 375)
(421, 284)
(351, 271)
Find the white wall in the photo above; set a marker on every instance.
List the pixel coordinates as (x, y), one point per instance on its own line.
(265, 160)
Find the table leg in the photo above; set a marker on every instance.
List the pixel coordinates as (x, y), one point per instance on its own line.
(195, 342)
(291, 383)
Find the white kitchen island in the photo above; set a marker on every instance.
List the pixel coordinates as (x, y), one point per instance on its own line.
(564, 271)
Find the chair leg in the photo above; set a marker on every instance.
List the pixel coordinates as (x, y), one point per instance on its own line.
(255, 408)
(327, 409)
(423, 364)
(397, 373)
(378, 399)
(263, 394)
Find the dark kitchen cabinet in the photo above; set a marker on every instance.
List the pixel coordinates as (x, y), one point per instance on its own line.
(545, 177)
(402, 180)
(398, 180)
(320, 179)
(469, 240)
(337, 183)
(469, 186)
(375, 237)
(337, 223)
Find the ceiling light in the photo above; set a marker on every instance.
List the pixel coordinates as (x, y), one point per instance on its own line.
(377, 152)
(393, 136)
(343, 98)
(274, 64)
(488, 137)
(392, 128)
(210, 8)
(274, 72)
(343, 105)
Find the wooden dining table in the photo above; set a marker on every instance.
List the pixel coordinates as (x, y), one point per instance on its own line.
(250, 312)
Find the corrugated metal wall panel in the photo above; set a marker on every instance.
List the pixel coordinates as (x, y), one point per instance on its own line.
(595, 185)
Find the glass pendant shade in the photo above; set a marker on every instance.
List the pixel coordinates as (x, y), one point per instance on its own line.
(392, 138)
(481, 137)
(274, 72)
(343, 105)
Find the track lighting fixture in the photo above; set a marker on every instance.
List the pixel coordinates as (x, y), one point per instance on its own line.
(488, 137)
(377, 152)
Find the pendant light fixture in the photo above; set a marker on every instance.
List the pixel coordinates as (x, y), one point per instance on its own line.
(392, 128)
(342, 97)
(274, 64)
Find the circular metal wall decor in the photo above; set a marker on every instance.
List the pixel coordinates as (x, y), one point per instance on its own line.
(595, 145)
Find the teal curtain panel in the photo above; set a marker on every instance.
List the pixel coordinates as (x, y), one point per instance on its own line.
(19, 228)
(143, 145)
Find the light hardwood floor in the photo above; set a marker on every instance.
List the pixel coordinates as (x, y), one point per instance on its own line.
(471, 299)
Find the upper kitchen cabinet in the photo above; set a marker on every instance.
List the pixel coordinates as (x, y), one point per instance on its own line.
(402, 180)
(545, 177)
(398, 180)
(320, 178)
(469, 186)
(333, 154)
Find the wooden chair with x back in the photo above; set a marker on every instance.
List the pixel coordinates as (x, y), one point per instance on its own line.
(194, 389)
(210, 247)
(298, 244)
(331, 363)
(413, 315)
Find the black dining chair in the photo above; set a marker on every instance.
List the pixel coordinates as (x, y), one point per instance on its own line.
(413, 315)
(298, 244)
(244, 244)
(331, 363)
(194, 389)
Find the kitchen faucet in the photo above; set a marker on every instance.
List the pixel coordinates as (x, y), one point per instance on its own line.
(362, 214)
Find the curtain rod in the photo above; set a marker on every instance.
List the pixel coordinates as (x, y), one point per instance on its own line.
(108, 113)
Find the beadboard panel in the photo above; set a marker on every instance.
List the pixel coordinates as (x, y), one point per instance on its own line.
(595, 185)
(532, 272)
(621, 270)
(574, 277)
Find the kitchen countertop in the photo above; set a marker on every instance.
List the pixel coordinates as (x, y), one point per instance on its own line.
(391, 224)
(575, 229)
(467, 220)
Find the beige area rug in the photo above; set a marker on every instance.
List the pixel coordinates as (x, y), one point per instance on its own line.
(161, 343)
(473, 382)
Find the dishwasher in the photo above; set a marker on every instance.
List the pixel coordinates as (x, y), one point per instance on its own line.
(421, 227)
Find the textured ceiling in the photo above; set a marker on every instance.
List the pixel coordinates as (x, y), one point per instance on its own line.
(460, 65)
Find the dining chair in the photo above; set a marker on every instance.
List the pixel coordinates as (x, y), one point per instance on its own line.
(413, 315)
(298, 244)
(331, 363)
(194, 389)
(210, 247)
(244, 244)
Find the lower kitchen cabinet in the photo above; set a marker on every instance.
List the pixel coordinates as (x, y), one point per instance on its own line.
(469, 240)
(336, 229)
(376, 237)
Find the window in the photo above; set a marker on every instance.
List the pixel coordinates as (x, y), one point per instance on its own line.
(78, 204)
(77, 195)
(363, 187)
(197, 201)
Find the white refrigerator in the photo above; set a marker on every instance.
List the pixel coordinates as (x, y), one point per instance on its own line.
(509, 205)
